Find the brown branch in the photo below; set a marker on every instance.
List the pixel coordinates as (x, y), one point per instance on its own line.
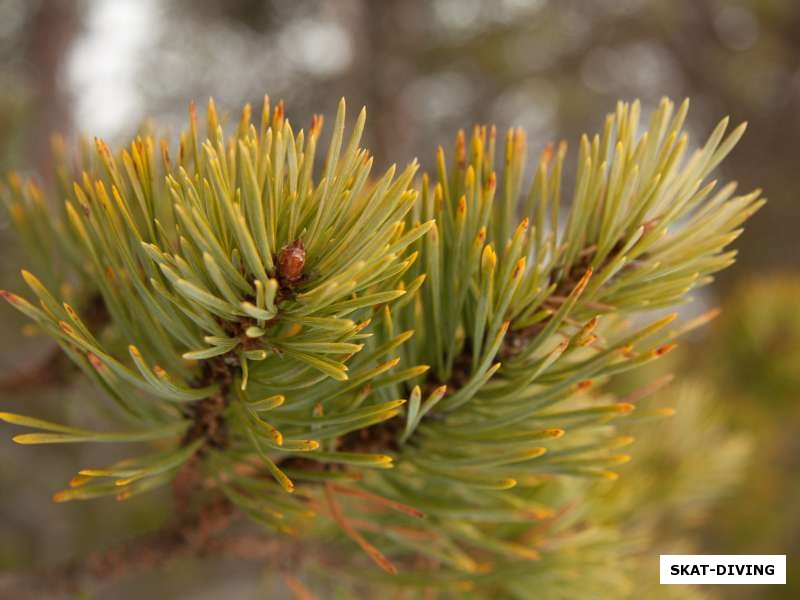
(298, 589)
(52, 368)
(194, 533)
(376, 499)
(199, 537)
(375, 554)
(192, 537)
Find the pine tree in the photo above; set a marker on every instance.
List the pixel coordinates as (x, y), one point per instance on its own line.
(415, 363)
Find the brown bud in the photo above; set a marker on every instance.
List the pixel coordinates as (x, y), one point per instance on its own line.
(291, 261)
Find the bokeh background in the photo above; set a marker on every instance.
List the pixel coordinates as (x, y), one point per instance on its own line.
(425, 68)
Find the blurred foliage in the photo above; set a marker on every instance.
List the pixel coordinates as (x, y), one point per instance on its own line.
(756, 351)
(683, 469)
(753, 363)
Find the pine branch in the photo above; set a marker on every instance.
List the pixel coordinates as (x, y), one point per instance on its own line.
(275, 326)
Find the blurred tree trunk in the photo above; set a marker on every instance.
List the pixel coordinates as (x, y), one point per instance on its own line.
(381, 71)
(51, 31)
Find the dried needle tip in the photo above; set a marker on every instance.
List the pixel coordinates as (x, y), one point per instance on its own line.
(9, 297)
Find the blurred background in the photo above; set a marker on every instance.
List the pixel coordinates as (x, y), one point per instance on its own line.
(425, 68)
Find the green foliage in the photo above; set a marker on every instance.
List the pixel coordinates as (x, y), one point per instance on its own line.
(268, 323)
(758, 343)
